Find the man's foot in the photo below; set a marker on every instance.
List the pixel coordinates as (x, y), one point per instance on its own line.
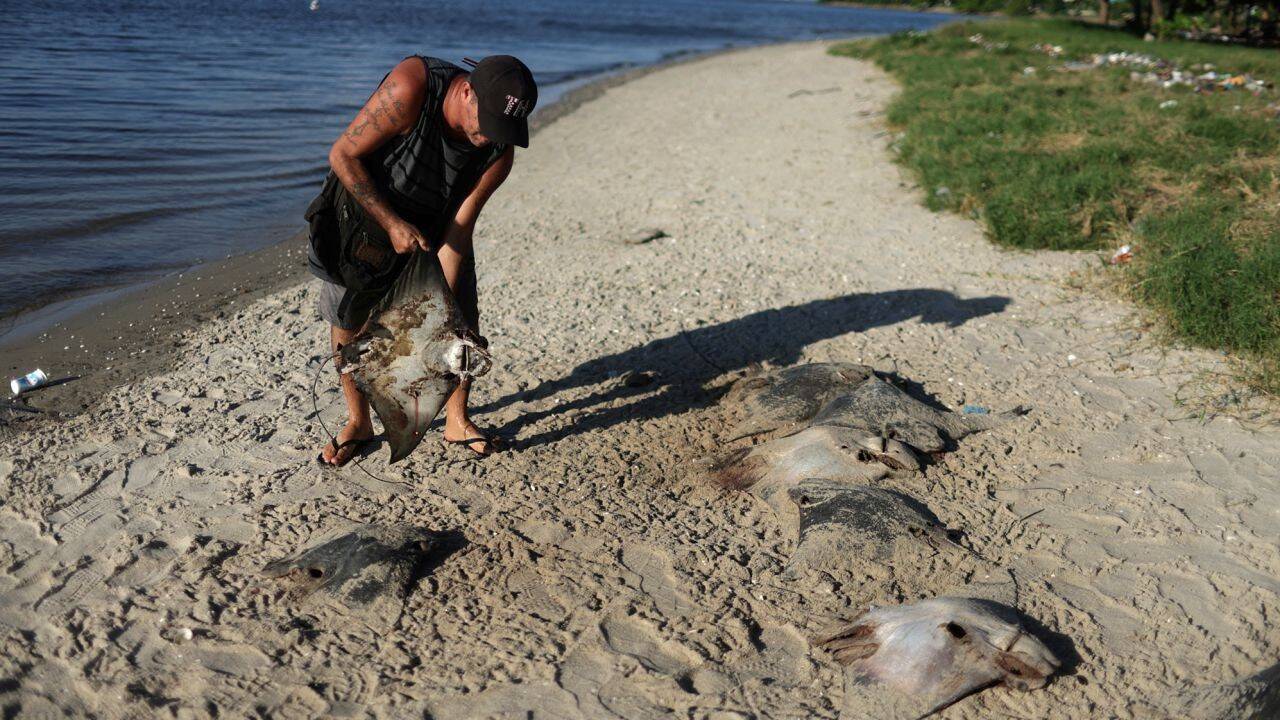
(468, 435)
(344, 447)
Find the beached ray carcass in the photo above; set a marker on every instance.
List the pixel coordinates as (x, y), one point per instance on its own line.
(364, 574)
(412, 353)
(837, 431)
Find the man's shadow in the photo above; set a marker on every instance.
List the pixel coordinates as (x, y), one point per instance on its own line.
(679, 365)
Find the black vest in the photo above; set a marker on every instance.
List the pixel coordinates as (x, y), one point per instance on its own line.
(425, 177)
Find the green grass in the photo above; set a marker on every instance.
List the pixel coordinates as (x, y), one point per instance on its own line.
(1089, 160)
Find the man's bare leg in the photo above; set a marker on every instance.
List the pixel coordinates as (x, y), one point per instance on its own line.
(359, 423)
(458, 426)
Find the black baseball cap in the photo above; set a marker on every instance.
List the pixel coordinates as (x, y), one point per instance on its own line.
(506, 94)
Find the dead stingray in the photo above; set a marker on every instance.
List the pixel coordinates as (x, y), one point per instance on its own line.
(786, 398)
(937, 651)
(412, 352)
(771, 469)
(849, 419)
(840, 521)
(839, 430)
(365, 573)
(881, 408)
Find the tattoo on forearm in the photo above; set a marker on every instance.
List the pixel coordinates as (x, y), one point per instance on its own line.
(366, 193)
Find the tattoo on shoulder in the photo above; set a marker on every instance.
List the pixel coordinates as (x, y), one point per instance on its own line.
(387, 107)
(363, 190)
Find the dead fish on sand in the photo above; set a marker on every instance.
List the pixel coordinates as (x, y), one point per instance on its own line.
(837, 429)
(412, 353)
(835, 421)
(364, 574)
(940, 650)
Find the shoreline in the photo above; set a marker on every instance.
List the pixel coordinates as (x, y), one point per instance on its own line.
(137, 330)
(904, 7)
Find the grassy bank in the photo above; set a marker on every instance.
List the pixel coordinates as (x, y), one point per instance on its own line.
(1014, 123)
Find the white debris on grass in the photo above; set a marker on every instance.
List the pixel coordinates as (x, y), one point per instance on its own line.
(1156, 71)
(1146, 68)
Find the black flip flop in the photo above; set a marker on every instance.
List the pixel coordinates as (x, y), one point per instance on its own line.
(466, 442)
(358, 443)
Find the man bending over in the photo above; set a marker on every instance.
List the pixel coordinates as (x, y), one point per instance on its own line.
(411, 174)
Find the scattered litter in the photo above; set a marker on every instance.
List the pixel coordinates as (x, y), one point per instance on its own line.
(1156, 71)
(1047, 49)
(28, 382)
(942, 191)
(1123, 254)
(1028, 70)
(979, 40)
(315, 5)
(1168, 104)
(1071, 358)
(975, 410)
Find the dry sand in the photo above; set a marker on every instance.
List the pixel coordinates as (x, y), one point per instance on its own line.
(600, 575)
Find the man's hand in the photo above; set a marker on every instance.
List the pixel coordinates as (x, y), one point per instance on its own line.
(406, 238)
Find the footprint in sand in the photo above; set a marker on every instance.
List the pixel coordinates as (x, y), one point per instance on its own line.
(657, 578)
(356, 688)
(73, 519)
(777, 653)
(75, 588)
(639, 639)
(532, 595)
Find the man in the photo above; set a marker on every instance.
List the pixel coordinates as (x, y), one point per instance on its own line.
(411, 174)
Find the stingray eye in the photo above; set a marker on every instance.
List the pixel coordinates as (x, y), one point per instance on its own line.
(315, 572)
(955, 631)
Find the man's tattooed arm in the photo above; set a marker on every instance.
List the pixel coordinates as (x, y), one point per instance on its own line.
(384, 109)
(385, 116)
(356, 178)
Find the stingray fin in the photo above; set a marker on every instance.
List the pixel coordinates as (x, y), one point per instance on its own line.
(406, 416)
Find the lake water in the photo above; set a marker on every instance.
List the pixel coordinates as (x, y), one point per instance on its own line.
(139, 137)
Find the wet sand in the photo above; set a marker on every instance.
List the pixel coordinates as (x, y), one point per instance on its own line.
(593, 571)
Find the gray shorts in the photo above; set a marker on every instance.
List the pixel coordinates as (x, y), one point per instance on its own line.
(330, 298)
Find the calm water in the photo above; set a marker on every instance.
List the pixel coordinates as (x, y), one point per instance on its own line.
(137, 137)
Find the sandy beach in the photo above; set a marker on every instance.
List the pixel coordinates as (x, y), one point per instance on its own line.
(592, 570)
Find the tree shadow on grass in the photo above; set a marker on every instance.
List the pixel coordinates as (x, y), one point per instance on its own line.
(681, 364)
